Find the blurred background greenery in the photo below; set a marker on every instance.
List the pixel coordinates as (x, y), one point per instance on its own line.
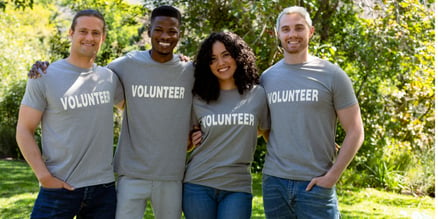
(385, 46)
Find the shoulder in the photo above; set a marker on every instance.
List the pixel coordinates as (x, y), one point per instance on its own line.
(330, 66)
(257, 91)
(130, 56)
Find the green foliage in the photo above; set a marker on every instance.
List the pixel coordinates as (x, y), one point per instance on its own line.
(390, 62)
(18, 4)
(22, 39)
(19, 188)
(387, 49)
(9, 106)
(125, 28)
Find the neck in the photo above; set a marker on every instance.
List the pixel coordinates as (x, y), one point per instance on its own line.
(81, 62)
(227, 85)
(296, 58)
(161, 58)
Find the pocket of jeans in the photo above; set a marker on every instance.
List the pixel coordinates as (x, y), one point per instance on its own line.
(323, 190)
(109, 185)
(52, 189)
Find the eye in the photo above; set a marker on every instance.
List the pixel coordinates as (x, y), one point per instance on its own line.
(299, 29)
(173, 32)
(285, 29)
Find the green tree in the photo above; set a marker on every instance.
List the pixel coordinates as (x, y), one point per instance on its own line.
(23, 38)
(390, 58)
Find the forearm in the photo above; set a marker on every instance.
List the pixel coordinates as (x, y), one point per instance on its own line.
(264, 134)
(32, 154)
(349, 148)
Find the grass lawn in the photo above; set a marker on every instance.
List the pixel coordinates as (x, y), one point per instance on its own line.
(19, 188)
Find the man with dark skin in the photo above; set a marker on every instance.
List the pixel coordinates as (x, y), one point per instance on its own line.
(150, 156)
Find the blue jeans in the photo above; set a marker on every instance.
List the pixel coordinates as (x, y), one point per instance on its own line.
(201, 202)
(95, 202)
(284, 198)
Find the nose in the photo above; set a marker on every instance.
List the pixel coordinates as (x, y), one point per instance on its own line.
(89, 36)
(220, 61)
(293, 33)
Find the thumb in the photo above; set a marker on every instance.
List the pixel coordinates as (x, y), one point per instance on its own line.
(310, 185)
(68, 187)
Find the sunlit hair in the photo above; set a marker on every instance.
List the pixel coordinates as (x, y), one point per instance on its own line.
(291, 10)
(167, 11)
(246, 76)
(88, 12)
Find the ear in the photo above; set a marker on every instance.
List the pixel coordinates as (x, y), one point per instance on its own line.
(70, 33)
(103, 37)
(149, 31)
(311, 31)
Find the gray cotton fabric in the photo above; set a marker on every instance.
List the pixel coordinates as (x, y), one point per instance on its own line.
(229, 126)
(77, 121)
(303, 99)
(156, 119)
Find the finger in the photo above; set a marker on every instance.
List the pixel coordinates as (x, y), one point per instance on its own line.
(310, 185)
(68, 187)
(40, 72)
(45, 66)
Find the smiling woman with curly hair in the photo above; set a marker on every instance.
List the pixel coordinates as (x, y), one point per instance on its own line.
(246, 75)
(229, 107)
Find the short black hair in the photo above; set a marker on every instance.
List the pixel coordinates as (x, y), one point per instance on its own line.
(88, 12)
(206, 84)
(167, 11)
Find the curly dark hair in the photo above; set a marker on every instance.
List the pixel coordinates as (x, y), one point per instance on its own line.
(246, 76)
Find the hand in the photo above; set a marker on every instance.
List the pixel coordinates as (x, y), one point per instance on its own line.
(51, 182)
(184, 58)
(195, 138)
(322, 181)
(38, 68)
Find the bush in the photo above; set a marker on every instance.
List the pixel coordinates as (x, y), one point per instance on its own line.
(9, 107)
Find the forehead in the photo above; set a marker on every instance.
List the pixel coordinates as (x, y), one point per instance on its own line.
(218, 47)
(292, 19)
(89, 22)
(164, 21)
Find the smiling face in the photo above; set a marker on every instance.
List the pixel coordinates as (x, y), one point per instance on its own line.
(86, 37)
(164, 33)
(223, 65)
(294, 34)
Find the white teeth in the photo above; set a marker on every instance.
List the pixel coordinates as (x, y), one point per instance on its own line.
(222, 69)
(164, 44)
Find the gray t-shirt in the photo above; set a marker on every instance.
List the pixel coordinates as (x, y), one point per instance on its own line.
(156, 119)
(229, 126)
(303, 99)
(77, 121)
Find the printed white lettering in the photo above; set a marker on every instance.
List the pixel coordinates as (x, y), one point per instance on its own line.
(157, 92)
(85, 100)
(228, 119)
(299, 95)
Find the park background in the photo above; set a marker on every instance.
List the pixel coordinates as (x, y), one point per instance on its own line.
(385, 46)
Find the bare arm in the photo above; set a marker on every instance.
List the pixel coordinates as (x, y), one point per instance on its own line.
(264, 133)
(351, 121)
(28, 120)
(120, 105)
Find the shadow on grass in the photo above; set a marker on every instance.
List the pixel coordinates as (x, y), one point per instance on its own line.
(17, 178)
(18, 209)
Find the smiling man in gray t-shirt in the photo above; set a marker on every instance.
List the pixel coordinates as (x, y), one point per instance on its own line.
(306, 96)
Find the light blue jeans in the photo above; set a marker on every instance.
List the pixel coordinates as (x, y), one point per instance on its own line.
(284, 198)
(201, 202)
